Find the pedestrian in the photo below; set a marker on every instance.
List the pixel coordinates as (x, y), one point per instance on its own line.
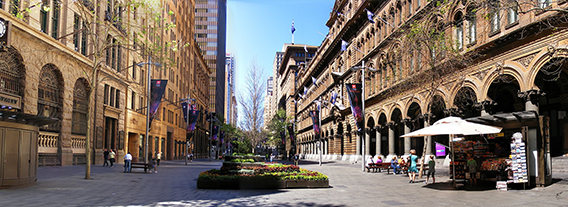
(152, 165)
(472, 169)
(296, 159)
(191, 157)
(412, 169)
(431, 170)
(158, 157)
(379, 160)
(105, 157)
(369, 162)
(111, 155)
(271, 157)
(394, 165)
(127, 162)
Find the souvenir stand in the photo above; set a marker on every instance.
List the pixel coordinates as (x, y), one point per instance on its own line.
(525, 154)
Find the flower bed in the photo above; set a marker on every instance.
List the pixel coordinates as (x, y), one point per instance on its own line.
(266, 176)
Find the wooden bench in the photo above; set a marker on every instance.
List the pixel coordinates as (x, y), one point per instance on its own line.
(146, 166)
(373, 167)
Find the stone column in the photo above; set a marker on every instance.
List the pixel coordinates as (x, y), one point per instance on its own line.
(378, 139)
(531, 98)
(367, 141)
(406, 123)
(391, 138)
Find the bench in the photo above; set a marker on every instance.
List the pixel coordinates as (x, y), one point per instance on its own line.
(146, 166)
(373, 166)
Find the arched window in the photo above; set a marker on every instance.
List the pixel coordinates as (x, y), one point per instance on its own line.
(11, 73)
(80, 107)
(458, 38)
(472, 25)
(50, 96)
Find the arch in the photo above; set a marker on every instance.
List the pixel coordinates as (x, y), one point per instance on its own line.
(12, 73)
(81, 102)
(50, 96)
(503, 91)
(500, 72)
(465, 101)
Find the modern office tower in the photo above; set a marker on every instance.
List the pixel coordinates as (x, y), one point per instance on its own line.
(210, 32)
(230, 85)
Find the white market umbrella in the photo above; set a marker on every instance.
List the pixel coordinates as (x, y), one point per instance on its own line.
(454, 125)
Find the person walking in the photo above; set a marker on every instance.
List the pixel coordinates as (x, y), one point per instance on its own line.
(191, 157)
(127, 162)
(431, 170)
(158, 157)
(111, 156)
(105, 157)
(296, 159)
(152, 165)
(271, 157)
(412, 169)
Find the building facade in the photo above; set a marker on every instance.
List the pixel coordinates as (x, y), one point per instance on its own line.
(210, 33)
(515, 66)
(56, 60)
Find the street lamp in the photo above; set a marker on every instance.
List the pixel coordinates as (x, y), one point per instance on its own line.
(361, 135)
(149, 63)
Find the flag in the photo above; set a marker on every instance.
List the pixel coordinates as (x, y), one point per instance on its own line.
(215, 131)
(293, 28)
(344, 45)
(354, 91)
(333, 97)
(306, 48)
(315, 121)
(157, 88)
(305, 90)
(315, 81)
(193, 116)
(370, 16)
(291, 132)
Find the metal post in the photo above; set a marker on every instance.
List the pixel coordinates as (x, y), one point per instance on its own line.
(362, 134)
(320, 131)
(187, 126)
(210, 134)
(148, 109)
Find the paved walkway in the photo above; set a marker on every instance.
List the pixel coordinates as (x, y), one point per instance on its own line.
(175, 185)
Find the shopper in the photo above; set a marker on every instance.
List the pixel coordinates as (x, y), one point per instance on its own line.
(296, 159)
(158, 157)
(191, 157)
(472, 169)
(412, 170)
(394, 165)
(127, 162)
(111, 156)
(105, 157)
(431, 170)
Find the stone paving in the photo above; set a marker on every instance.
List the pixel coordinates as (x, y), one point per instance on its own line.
(175, 185)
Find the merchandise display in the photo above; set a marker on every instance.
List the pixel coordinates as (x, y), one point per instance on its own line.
(519, 160)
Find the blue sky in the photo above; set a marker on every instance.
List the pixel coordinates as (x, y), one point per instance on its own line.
(257, 29)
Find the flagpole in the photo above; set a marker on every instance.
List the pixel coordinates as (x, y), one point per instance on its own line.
(148, 109)
(319, 140)
(293, 29)
(187, 141)
(362, 135)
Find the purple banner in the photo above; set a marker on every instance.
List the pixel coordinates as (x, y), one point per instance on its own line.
(215, 132)
(440, 150)
(157, 88)
(291, 132)
(354, 92)
(315, 120)
(193, 115)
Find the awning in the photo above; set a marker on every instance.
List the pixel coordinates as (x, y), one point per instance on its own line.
(505, 118)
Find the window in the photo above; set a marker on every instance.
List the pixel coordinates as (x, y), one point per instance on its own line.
(212, 27)
(200, 10)
(409, 7)
(76, 26)
(84, 40)
(43, 15)
(200, 18)
(49, 102)
(142, 103)
(544, 3)
(133, 101)
(209, 52)
(117, 99)
(200, 26)
(106, 91)
(201, 35)
(134, 70)
(513, 15)
(495, 18)
(80, 108)
(55, 20)
(211, 44)
(472, 27)
(211, 35)
(15, 7)
(459, 32)
(213, 11)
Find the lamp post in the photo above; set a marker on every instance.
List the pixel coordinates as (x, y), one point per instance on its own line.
(149, 63)
(187, 126)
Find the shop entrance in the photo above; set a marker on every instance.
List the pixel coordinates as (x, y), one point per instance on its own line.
(111, 126)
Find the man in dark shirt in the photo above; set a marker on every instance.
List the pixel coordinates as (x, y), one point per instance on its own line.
(105, 156)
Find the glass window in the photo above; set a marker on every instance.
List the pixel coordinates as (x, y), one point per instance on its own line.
(544, 3)
(209, 52)
(211, 35)
(211, 44)
(213, 11)
(513, 15)
(472, 30)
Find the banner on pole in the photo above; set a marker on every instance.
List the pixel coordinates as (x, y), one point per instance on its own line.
(315, 120)
(440, 150)
(354, 91)
(215, 131)
(291, 132)
(157, 88)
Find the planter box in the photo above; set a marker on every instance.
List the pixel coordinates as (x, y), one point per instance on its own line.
(318, 184)
(296, 184)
